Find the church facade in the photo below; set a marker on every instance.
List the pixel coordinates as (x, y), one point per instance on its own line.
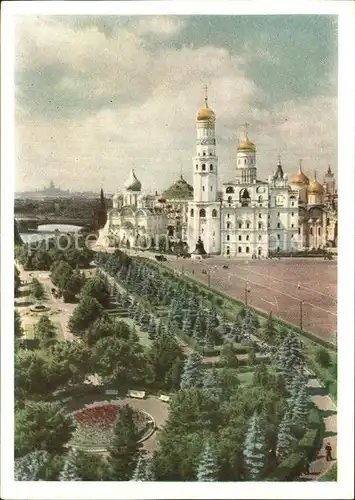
(247, 218)
(253, 217)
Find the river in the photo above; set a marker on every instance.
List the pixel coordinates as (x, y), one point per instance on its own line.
(47, 231)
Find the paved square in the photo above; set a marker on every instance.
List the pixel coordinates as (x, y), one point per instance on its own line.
(277, 286)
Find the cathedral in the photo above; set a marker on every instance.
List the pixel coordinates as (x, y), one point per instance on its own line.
(248, 218)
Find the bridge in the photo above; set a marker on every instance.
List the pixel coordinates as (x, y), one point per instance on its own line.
(27, 222)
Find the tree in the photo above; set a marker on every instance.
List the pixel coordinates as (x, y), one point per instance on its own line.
(70, 470)
(301, 408)
(17, 325)
(86, 312)
(162, 356)
(17, 281)
(91, 467)
(121, 363)
(255, 449)
(96, 288)
(285, 438)
(211, 386)
(323, 357)
(30, 372)
(228, 356)
(45, 331)
(207, 468)
(31, 467)
(269, 331)
(106, 326)
(144, 469)
(74, 357)
(191, 375)
(125, 447)
(61, 275)
(37, 289)
(41, 425)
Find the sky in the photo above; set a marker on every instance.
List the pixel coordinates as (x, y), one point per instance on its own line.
(98, 95)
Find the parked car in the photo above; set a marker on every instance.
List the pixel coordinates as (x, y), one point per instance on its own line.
(225, 266)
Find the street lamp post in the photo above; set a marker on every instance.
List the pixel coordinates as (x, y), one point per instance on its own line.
(209, 278)
(301, 308)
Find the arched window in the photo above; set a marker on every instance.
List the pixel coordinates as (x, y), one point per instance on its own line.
(230, 190)
(247, 237)
(239, 249)
(239, 238)
(211, 167)
(229, 199)
(228, 250)
(204, 153)
(260, 199)
(311, 230)
(196, 167)
(202, 212)
(203, 188)
(228, 237)
(259, 237)
(203, 166)
(191, 212)
(244, 197)
(214, 213)
(240, 225)
(260, 225)
(228, 225)
(247, 249)
(245, 162)
(319, 231)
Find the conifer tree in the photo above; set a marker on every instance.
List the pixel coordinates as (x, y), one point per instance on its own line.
(255, 448)
(31, 467)
(191, 375)
(285, 438)
(139, 471)
(211, 387)
(207, 468)
(301, 408)
(69, 471)
(187, 326)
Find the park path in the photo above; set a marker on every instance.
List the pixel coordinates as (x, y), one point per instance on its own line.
(328, 411)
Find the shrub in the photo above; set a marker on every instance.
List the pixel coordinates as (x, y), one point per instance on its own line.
(323, 357)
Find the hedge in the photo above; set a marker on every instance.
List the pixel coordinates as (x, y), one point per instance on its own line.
(292, 466)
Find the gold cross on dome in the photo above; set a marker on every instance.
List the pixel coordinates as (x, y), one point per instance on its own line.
(205, 88)
(246, 126)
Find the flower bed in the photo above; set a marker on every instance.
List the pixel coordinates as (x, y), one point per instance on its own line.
(95, 425)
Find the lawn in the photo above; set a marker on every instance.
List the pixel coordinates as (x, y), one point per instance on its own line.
(143, 335)
(29, 331)
(246, 377)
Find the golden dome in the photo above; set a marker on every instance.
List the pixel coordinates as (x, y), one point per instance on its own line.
(300, 178)
(206, 113)
(315, 187)
(247, 145)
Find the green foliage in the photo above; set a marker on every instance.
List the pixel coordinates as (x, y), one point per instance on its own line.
(166, 358)
(42, 426)
(96, 288)
(207, 467)
(331, 474)
(323, 357)
(106, 326)
(69, 471)
(45, 331)
(74, 358)
(285, 438)
(144, 469)
(17, 281)
(270, 332)
(121, 363)
(86, 312)
(228, 356)
(255, 450)
(91, 467)
(32, 467)
(18, 330)
(191, 375)
(37, 289)
(61, 274)
(125, 447)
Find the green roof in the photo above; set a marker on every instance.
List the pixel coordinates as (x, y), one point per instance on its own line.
(180, 190)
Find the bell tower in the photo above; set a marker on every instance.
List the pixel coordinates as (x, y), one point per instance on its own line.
(204, 211)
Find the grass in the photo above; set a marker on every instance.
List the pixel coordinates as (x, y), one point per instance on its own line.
(331, 474)
(246, 378)
(30, 331)
(143, 335)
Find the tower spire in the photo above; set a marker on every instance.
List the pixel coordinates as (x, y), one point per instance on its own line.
(206, 95)
(300, 167)
(279, 159)
(246, 126)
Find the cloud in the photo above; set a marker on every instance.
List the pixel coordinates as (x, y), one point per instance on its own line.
(90, 105)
